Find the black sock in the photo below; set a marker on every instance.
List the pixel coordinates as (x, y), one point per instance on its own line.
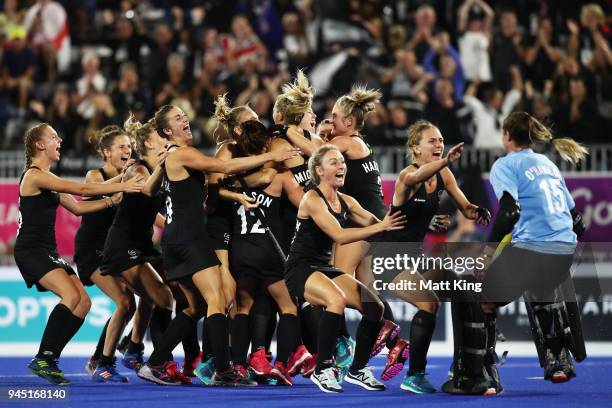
(329, 330)
(343, 328)
(271, 329)
(261, 318)
(177, 329)
(421, 331)
(135, 348)
(70, 327)
(51, 339)
(309, 322)
(388, 315)
(206, 350)
(240, 339)
(218, 334)
(388, 312)
(160, 320)
(288, 337)
(191, 344)
(100, 347)
(107, 360)
(367, 332)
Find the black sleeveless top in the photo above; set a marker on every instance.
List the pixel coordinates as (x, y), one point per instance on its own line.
(135, 216)
(185, 214)
(247, 224)
(95, 226)
(301, 174)
(310, 244)
(37, 219)
(364, 184)
(419, 210)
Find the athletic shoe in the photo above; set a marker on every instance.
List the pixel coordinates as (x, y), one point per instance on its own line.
(157, 374)
(261, 379)
(190, 365)
(345, 347)
(259, 363)
(387, 333)
(108, 373)
(91, 365)
(298, 359)
(174, 372)
(565, 360)
(309, 367)
(417, 384)
(326, 380)
(47, 368)
(232, 378)
(123, 344)
(205, 371)
(365, 379)
(395, 360)
(133, 361)
(281, 373)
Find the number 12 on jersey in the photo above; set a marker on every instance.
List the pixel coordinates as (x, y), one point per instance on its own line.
(256, 227)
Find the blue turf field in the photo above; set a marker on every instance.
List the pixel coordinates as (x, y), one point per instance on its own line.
(521, 378)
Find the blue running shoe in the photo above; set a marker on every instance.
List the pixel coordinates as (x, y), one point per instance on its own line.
(417, 384)
(133, 361)
(205, 370)
(47, 368)
(108, 373)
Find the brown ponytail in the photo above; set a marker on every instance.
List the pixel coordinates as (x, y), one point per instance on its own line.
(103, 139)
(32, 135)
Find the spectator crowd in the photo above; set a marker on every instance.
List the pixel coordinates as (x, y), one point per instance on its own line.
(463, 65)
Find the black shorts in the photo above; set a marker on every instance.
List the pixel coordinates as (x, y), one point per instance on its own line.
(219, 227)
(297, 273)
(183, 260)
(517, 270)
(116, 260)
(256, 259)
(34, 263)
(87, 260)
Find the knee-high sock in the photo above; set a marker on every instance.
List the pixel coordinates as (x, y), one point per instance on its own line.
(191, 345)
(262, 320)
(421, 331)
(309, 321)
(288, 336)
(329, 330)
(160, 320)
(367, 332)
(240, 339)
(173, 335)
(100, 346)
(217, 327)
(51, 342)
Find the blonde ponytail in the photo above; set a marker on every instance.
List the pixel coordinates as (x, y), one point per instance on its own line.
(358, 103)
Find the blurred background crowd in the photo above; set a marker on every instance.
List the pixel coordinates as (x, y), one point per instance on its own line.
(462, 64)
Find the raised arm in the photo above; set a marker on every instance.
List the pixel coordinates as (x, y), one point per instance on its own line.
(48, 181)
(469, 210)
(194, 159)
(86, 206)
(315, 208)
(296, 136)
(358, 214)
(409, 176)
